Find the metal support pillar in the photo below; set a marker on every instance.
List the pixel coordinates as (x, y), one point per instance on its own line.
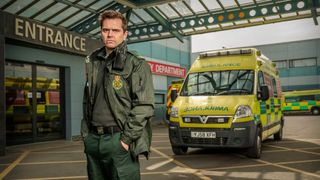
(2, 89)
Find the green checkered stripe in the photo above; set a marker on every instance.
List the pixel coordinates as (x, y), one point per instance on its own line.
(301, 105)
(273, 109)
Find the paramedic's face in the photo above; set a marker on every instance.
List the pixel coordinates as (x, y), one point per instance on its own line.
(112, 33)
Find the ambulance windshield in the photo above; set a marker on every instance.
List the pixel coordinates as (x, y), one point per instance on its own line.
(216, 83)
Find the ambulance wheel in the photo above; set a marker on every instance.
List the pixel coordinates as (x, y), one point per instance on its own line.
(179, 150)
(255, 150)
(278, 136)
(315, 111)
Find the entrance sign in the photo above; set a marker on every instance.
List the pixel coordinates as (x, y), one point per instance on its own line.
(38, 32)
(34, 32)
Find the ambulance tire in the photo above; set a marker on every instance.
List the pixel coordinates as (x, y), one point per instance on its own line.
(255, 150)
(315, 111)
(179, 150)
(278, 136)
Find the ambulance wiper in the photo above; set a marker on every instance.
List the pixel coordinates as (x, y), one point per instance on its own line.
(234, 91)
(203, 93)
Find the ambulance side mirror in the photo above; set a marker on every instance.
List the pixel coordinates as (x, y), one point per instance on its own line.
(174, 95)
(263, 94)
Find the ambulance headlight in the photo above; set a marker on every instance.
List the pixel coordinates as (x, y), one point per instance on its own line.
(174, 112)
(243, 111)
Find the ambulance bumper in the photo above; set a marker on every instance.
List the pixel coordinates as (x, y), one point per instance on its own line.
(240, 135)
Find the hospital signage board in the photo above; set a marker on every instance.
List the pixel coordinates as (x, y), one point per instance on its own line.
(168, 70)
(30, 31)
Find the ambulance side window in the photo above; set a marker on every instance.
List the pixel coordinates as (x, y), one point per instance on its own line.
(291, 99)
(260, 80)
(274, 84)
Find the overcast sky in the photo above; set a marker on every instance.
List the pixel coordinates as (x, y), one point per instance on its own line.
(289, 31)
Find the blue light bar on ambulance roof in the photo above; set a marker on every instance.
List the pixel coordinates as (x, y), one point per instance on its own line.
(226, 52)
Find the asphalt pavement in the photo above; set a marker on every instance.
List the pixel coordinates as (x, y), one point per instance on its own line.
(296, 157)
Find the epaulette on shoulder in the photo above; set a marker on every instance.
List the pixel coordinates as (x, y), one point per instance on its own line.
(88, 58)
(136, 55)
(133, 53)
(136, 59)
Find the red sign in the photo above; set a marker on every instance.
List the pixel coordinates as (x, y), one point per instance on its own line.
(165, 69)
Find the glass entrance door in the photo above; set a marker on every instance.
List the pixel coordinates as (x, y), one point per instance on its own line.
(33, 108)
(19, 111)
(49, 119)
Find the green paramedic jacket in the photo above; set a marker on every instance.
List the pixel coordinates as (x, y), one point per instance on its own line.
(130, 93)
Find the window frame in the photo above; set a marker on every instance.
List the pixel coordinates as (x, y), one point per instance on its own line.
(274, 87)
(163, 98)
(292, 65)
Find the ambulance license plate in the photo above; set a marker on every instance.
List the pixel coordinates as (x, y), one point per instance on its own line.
(203, 134)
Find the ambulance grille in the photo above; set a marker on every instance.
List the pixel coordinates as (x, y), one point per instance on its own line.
(216, 141)
(206, 119)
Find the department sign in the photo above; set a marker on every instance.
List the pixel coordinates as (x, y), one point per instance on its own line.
(168, 70)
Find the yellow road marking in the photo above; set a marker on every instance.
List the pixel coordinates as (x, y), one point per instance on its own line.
(45, 148)
(195, 172)
(161, 147)
(13, 165)
(271, 151)
(85, 177)
(289, 168)
(284, 141)
(56, 152)
(160, 134)
(258, 165)
(302, 161)
(158, 165)
(314, 141)
(68, 162)
(52, 162)
(309, 139)
(281, 150)
(156, 172)
(53, 178)
(151, 157)
(309, 148)
(284, 167)
(7, 164)
(172, 172)
(298, 150)
(235, 167)
(160, 141)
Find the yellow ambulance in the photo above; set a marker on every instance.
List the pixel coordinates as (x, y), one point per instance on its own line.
(173, 91)
(230, 98)
(302, 101)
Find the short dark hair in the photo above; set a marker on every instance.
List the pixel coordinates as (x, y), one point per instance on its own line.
(111, 14)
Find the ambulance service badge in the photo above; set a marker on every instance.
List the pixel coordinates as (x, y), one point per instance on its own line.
(117, 83)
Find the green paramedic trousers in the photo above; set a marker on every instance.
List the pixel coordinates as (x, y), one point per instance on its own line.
(108, 160)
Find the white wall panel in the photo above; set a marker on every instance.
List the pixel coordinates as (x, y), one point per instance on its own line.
(302, 80)
(159, 82)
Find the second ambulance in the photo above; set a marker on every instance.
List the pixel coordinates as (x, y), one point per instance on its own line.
(230, 98)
